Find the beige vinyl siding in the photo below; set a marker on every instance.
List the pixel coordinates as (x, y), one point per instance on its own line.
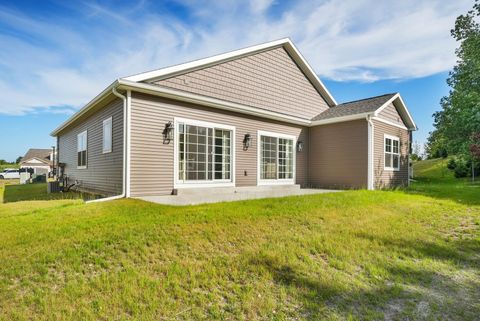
(390, 113)
(338, 155)
(104, 171)
(269, 80)
(388, 178)
(152, 165)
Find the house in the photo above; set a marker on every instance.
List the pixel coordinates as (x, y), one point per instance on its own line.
(251, 117)
(38, 159)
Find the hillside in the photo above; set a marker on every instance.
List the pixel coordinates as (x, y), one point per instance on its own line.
(432, 168)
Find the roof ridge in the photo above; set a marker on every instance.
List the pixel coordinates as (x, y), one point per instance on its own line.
(368, 98)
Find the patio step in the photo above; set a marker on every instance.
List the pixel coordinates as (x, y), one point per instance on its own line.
(272, 190)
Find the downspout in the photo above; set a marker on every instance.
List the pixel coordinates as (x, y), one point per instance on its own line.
(410, 166)
(370, 179)
(125, 150)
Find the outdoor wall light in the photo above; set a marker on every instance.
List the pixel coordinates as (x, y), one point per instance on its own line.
(247, 141)
(299, 146)
(168, 132)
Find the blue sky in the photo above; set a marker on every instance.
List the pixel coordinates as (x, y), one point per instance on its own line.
(57, 55)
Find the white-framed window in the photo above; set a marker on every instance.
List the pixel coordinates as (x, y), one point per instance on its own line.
(107, 136)
(204, 154)
(392, 152)
(82, 150)
(276, 158)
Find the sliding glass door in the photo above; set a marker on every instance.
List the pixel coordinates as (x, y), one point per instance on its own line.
(276, 158)
(204, 153)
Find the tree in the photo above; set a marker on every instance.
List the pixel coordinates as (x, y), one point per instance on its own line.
(416, 153)
(475, 150)
(459, 119)
(18, 160)
(435, 147)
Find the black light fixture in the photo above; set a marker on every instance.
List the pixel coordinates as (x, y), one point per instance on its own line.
(247, 141)
(168, 132)
(299, 146)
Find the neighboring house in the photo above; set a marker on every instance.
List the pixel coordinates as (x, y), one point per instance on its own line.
(39, 159)
(255, 116)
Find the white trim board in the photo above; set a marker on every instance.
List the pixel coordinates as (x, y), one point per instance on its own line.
(128, 142)
(371, 152)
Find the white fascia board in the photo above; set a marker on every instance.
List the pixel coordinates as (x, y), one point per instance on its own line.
(286, 43)
(205, 62)
(40, 161)
(397, 97)
(414, 126)
(340, 119)
(85, 108)
(210, 102)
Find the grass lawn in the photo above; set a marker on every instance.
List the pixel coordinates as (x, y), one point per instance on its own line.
(395, 255)
(11, 191)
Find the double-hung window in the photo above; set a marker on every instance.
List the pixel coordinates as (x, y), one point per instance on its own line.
(276, 158)
(392, 152)
(82, 150)
(107, 135)
(204, 153)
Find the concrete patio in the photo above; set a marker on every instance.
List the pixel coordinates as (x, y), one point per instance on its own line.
(229, 194)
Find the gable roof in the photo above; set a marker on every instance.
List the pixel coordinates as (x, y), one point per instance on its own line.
(366, 107)
(286, 43)
(139, 83)
(42, 154)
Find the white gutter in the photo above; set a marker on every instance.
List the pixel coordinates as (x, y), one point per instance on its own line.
(125, 150)
(370, 174)
(339, 119)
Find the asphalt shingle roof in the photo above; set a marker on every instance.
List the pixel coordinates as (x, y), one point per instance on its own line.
(40, 153)
(354, 107)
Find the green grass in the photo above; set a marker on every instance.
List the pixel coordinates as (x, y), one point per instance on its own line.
(13, 192)
(434, 179)
(395, 255)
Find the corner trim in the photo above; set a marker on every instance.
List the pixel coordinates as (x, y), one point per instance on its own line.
(128, 145)
(370, 158)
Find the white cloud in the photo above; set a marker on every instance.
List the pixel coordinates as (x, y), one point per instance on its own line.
(56, 62)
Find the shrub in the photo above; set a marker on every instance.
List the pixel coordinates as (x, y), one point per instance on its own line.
(451, 164)
(461, 167)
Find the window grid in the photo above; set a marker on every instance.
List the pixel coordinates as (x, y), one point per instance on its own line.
(204, 153)
(276, 158)
(107, 135)
(285, 158)
(82, 150)
(268, 165)
(392, 153)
